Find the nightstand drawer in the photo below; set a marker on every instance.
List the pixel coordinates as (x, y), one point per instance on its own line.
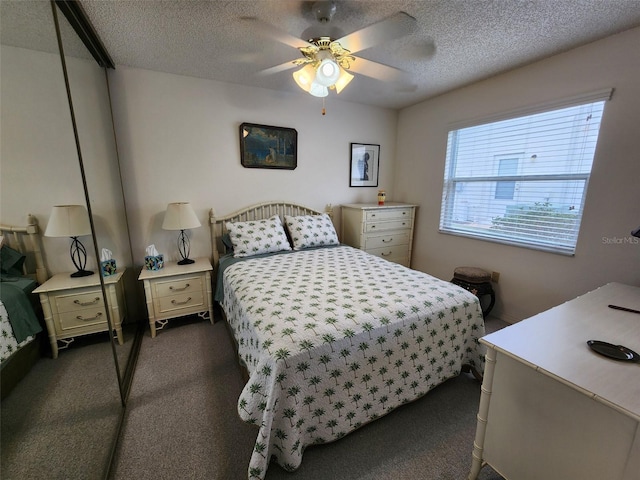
(189, 302)
(391, 239)
(88, 317)
(388, 214)
(178, 286)
(387, 225)
(78, 301)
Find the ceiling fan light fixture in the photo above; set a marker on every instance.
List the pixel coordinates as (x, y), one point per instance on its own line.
(318, 90)
(304, 77)
(328, 72)
(343, 80)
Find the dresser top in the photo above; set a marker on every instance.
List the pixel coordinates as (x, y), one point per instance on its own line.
(365, 206)
(64, 281)
(555, 343)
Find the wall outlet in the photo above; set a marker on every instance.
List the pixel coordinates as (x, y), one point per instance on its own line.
(495, 276)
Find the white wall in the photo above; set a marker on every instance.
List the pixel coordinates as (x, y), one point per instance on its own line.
(533, 281)
(178, 140)
(39, 159)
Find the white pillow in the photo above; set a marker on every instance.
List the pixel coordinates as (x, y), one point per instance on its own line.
(258, 236)
(311, 231)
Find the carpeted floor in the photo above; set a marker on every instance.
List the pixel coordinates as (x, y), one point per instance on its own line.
(61, 420)
(182, 422)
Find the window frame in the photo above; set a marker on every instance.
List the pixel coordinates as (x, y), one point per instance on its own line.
(451, 182)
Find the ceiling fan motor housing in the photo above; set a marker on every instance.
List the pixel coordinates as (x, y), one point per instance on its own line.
(324, 11)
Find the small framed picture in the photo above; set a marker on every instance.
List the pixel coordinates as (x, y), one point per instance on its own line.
(365, 165)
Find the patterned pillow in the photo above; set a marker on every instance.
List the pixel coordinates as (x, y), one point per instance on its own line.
(257, 236)
(311, 231)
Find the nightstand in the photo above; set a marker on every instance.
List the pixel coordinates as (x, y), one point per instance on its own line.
(177, 290)
(74, 306)
(385, 231)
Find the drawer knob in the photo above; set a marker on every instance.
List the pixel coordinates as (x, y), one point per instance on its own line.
(86, 304)
(385, 241)
(385, 254)
(98, 315)
(176, 289)
(175, 302)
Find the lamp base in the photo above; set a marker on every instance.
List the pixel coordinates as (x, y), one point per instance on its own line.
(82, 273)
(186, 261)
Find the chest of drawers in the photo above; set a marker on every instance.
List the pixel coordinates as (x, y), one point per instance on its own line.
(176, 291)
(382, 230)
(75, 306)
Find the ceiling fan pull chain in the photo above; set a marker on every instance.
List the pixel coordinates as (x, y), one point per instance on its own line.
(324, 112)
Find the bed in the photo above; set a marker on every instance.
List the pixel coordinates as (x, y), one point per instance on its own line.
(331, 337)
(21, 270)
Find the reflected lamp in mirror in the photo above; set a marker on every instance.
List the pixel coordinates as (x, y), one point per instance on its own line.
(180, 216)
(71, 221)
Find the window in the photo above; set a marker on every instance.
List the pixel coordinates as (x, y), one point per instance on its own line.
(523, 180)
(506, 188)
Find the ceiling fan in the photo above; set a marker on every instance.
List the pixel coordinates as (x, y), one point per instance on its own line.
(328, 57)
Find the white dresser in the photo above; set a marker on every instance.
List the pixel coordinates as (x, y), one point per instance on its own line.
(382, 230)
(74, 306)
(551, 407)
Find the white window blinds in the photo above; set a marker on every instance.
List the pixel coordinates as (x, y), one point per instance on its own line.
(523, 180)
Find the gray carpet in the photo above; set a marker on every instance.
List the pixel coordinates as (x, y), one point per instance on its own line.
(61, 420)
(181, 422)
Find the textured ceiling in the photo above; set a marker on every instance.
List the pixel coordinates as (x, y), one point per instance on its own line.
(457, 42)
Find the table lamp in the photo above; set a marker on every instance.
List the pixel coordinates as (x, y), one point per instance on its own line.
(180, 216)
(71, 221)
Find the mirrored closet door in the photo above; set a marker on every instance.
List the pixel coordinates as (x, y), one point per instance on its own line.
(62, 419)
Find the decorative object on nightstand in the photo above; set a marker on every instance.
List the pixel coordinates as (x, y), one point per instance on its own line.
(74, 306)
(382, 230)
(477, 281)
(180, 216)
(71, 221)
(177, 291)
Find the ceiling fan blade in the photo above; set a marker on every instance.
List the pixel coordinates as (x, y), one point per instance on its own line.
(277, 69)
(269, 31)
(396, 26)
(378, 71)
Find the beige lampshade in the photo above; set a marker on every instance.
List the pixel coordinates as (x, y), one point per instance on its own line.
(180, 216)
(68, 221)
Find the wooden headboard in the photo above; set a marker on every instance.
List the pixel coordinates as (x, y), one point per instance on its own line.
(26, 240)
(259, 211)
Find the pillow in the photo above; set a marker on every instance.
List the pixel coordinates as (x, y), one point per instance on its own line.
(311, 231)
(11, 261)
(258, 236)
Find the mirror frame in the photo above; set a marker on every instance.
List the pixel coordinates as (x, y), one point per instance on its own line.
(77, 18)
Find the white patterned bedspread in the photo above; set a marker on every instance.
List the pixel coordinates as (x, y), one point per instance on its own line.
(334, 338)
(8, 343)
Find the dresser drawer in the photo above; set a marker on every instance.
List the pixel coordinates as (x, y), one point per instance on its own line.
(388, 214)
(390, 252)
(85, 318)
(178, 286)
(388, 240)
(76, 301)
(380, 226)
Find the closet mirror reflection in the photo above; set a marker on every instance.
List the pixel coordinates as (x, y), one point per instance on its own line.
(61, 420)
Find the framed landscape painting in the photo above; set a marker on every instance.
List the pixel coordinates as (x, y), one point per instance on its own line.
(365, 165)
(263, 146)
